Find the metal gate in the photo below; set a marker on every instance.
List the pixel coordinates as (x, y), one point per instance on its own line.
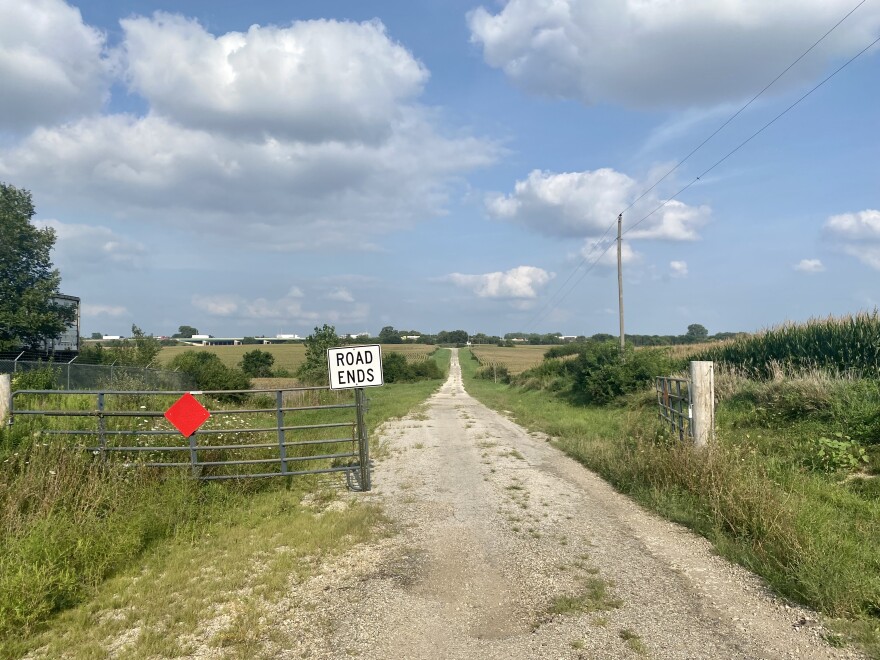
(674, 398)
(284, 432)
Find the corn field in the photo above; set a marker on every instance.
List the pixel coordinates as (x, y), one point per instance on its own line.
(849, 344)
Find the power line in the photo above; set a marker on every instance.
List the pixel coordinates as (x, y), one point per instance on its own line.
(742, 109)
(595, 261)
(757, 133)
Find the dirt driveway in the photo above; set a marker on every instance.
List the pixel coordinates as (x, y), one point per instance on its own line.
(508, 549)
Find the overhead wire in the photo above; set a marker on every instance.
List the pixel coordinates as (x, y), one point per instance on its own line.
(550, 306)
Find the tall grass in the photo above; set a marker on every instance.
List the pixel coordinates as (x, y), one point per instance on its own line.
(71, 521)
(844, 344)
(764, 493)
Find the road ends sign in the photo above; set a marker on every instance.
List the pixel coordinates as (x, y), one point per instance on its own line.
(355, 366)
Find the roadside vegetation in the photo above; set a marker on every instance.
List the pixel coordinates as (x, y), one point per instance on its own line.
(791, 486)
(156, 549)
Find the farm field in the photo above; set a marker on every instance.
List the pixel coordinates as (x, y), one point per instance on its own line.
(287, 356)
(517, 358)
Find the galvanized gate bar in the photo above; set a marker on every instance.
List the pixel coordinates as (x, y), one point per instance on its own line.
(359, 466)
(675, 405)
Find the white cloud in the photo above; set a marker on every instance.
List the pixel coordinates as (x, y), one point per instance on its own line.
(521, 282)
(52, 65)
(660, 53)
(604, 252)
(80, 247)
(312, 81)
(341, 294)
(574, 204)
(279, 138)
(89, 309)
(678, 268)
(289, 308)
(810, 266)
(861, 225)
(857, 234)
(271, 193)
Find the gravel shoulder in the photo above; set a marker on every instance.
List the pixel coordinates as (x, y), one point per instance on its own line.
(504, 547)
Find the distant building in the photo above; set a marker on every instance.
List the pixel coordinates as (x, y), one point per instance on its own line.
(68, 341)
(287, 337)
(358, 335)
(110, 337)
(411, 337)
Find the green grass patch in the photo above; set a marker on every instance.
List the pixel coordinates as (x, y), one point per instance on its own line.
(72, 522)
(810, 532)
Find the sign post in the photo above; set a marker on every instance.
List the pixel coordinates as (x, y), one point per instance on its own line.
(357, 367)
(187, 415)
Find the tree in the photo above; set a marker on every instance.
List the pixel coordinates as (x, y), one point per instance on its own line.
(257, 363)
(314, 369)
(97, 335)
(696, 333)
(29, 314)
(138, 351)
(389, 335)
(185, 332)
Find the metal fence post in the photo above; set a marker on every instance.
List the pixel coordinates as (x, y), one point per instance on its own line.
(102, 438)
(279, 417)
(363, 447)
(68, 370)
(15, 363)
(702, 387)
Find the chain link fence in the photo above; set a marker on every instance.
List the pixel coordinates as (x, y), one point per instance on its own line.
(75, 376)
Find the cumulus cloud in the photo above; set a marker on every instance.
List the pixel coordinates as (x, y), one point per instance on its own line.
(311, 81)
(648, 53)
(810, 266)
(575, 204)
(857, 234)
(52, 65)
(80, 247)
(521, 282)
(604, 252)
(341, 294)
(95, 309)
(288, 308)
(678, 268)
(281, 138)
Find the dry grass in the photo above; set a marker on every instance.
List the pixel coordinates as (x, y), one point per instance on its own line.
(517, 359)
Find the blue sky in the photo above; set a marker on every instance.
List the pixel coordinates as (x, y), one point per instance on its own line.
(266, 167)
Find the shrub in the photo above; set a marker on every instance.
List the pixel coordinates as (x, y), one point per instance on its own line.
(209, 373)
(257, 363)
(314, 370)
(44, 378)
(494, 372)
(396, 369)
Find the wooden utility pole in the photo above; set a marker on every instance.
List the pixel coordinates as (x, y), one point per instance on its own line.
(620, 278)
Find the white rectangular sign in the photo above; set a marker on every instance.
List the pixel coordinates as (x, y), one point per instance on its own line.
(355, 366)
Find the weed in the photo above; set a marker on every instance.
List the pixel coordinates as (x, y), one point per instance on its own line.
(633, 641)
(593, 598)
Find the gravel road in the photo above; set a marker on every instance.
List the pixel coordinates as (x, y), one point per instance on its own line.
(505, 548)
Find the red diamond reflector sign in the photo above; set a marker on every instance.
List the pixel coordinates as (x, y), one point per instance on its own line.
(187, 414)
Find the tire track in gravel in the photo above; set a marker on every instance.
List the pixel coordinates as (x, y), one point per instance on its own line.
(495, 526)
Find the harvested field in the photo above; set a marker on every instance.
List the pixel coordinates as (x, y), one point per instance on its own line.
(287, 356)
(517, 358)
